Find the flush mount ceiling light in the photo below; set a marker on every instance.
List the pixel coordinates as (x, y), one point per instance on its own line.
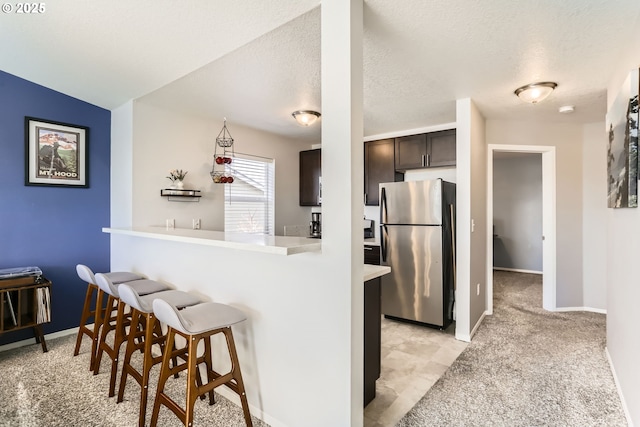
(305, 117)
(535, 92)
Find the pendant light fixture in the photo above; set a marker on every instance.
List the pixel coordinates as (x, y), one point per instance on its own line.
(535, 92)
(305, 117)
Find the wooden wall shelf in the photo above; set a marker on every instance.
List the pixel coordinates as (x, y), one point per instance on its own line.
(177, 195)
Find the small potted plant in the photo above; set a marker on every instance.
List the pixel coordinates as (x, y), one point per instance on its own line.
(177, 176)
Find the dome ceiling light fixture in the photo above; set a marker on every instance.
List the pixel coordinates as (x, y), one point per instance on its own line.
(535, 92)
(305, 117)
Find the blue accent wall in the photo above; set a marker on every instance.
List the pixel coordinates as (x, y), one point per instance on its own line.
(53, 228)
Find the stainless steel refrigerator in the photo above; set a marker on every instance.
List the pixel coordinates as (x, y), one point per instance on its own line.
(417, 226)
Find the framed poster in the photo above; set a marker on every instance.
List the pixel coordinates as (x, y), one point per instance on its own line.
(56, 153)
(622, 149)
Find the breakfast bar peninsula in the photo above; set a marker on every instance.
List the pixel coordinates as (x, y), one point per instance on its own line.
(289, 346)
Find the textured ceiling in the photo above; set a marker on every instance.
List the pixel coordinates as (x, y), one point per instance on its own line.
(255, 62)
(107, 52)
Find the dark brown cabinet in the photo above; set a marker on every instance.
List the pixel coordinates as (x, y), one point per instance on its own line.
(310, 177)
(434, 149)
(372, 337)
(25, 302)
(372, 254)
(442, 148)
(379, 166)
(372, 325)
(411, 152)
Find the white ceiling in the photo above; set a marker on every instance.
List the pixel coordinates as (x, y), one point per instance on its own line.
(256, 61)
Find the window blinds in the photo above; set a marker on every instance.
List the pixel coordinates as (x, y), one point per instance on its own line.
(249, 200)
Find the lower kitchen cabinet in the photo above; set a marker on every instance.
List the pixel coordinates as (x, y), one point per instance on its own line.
(372, 254)
(372, 325)
(372, 337)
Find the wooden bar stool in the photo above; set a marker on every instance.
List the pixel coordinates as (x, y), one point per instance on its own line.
(148, 332)
(118, 322)
(87, 275)
(195, 323)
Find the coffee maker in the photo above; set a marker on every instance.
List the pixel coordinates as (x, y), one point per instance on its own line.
(314, 225)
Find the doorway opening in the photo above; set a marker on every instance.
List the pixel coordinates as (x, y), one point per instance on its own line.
(548, 220)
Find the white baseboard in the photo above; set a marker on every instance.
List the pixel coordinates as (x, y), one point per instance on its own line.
(615, 379)
(591, 309)
(256, 412)
(31, 341)
(467, 338)
(517, 270)
(477, 325)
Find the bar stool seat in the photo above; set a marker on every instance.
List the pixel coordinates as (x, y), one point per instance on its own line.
(86, 274)
(119, 322)
(148, 332)
(196, 323)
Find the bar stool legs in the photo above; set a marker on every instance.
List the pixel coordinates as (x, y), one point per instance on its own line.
(233, 379)
(117, 324)
(152, 333)
(87, 313)
(238, 387)
(145, 331)
(120, 323)
(85, 274)
(196, 323)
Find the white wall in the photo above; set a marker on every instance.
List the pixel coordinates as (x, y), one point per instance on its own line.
(301, 346)
(447, 174)
(342, 208)
(478, 201)
(167, 140)
(517, 211)
(121, 165)
(594, 202)
(623, 290)
(471, 252)
(568, 140)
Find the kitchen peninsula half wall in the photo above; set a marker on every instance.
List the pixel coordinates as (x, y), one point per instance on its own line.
(288, 359)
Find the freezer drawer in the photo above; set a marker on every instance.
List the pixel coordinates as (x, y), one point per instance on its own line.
(414, 288)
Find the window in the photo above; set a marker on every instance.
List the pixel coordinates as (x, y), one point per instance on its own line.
(249, 200)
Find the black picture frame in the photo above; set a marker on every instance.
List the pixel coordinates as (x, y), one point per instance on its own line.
(56, 153)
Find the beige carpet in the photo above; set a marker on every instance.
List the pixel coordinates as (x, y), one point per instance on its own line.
(56, 389)
(526, 367)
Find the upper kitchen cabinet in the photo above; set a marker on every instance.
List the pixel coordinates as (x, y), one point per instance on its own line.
(411, 152)
(441, 148)
(379, 166)
(426, 150)
(310, 176)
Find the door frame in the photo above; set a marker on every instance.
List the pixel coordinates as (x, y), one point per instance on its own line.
(548, 220)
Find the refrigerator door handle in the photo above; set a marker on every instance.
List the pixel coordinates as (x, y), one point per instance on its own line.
(383, 246)
(383, 206)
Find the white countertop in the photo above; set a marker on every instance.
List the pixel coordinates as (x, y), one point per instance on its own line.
(373, 271)
(280, 245)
